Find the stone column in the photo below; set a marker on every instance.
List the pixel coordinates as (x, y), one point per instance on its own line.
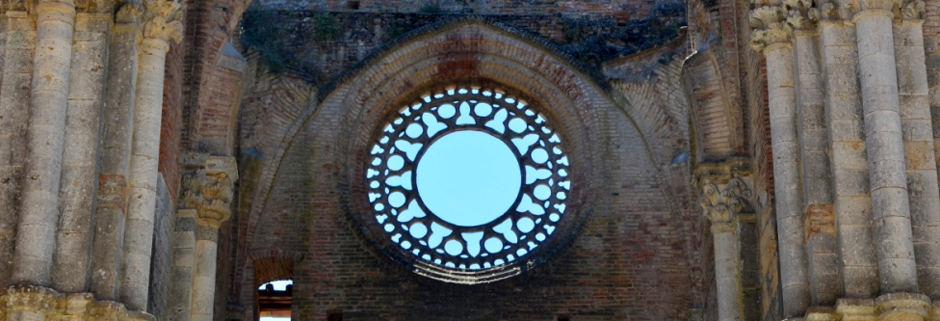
(114, 155)
(851, 203)
(721, 201)
(891, 213)
(208, 189)
(819, 221)
(35, 240)
(19, 39)
(79, 173)
(919, 146)
(772, 37)
(160, 27)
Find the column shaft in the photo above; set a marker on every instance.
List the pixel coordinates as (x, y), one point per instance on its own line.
(114, 157)
(919, 152)
(787, 185)
(184, 256)
(35, 240)
(821, 248)
(897, 271)
(138, 236)
(79, 175)
(19, 39)
(207, 236)
(852, 203)
(727, 271)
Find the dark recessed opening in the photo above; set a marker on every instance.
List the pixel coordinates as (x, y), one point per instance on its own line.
(354, 4)
(334, 315)
(564, 317)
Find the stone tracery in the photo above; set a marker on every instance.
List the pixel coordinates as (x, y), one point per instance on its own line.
(488, 242)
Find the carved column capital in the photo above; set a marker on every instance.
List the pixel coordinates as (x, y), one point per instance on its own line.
(910, 10)
(770, 27)
(129, 13)
(803, 14)
(29, 298)
(885, 5)
(724, 192)
(161, 20)
(721, 202)
(208, 183)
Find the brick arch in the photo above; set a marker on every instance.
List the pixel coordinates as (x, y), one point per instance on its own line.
(329, 134)
(716, 123)
(465, 52)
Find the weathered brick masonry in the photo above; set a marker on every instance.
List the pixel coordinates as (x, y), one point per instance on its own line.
(730, 159)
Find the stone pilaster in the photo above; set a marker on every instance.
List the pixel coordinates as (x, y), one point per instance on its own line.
(160, 26)
(36, 226)
(207, 188)
(114, 156)
(771, 36)
(722, 199)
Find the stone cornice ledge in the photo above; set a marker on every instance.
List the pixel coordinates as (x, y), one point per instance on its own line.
(65, 306)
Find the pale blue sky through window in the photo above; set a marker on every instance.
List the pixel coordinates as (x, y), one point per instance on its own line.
(468, 178)
(278, 286)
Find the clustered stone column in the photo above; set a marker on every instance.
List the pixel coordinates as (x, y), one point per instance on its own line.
(818, 227)
(884, 194)
(722, 199)
(79, 66)
(117, 121)
(79, 176)
(772, 38)
(207, 197)
(917, 128)
(160, 27)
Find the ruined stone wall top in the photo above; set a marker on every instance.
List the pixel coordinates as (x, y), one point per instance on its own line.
(623, 9)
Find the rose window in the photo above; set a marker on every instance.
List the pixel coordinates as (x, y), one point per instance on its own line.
(468, 179)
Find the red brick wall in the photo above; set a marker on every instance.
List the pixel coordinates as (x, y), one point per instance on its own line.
(629, 260)
(172, 122)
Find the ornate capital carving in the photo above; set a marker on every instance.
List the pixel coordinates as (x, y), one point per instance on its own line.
(29, 298)
(129, 13)
(161, 20)
(207, 186)
(803, 14)
(722, 201)
(910, 10)
(885, 5)
(770, 27)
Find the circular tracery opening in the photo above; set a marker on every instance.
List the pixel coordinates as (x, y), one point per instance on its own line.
(468, 180)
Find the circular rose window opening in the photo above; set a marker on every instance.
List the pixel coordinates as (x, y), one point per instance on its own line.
(467, 183)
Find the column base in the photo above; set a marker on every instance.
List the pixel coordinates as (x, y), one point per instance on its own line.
(29, 302)
(887, 307)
